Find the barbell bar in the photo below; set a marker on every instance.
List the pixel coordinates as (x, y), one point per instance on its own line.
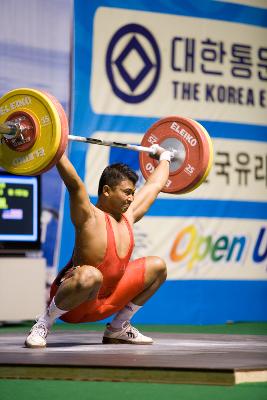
(35, 134)
(12, 130)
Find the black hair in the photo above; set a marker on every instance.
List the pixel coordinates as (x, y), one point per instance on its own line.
(114, 174)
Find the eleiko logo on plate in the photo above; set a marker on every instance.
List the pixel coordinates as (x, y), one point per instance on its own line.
(133, 63)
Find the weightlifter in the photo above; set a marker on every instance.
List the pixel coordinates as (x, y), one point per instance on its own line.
(100, 280)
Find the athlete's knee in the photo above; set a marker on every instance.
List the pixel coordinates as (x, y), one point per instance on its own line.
(159, 268)
(88, 277)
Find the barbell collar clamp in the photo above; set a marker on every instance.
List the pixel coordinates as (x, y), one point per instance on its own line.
(10, 129)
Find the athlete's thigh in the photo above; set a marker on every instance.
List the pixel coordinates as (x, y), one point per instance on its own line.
(131, 284)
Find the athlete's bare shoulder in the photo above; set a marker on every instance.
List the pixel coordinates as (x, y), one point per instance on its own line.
(98, 216)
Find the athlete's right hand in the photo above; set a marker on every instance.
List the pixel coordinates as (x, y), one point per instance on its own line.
(159, 153)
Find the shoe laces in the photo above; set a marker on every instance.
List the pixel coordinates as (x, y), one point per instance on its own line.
(39, 329)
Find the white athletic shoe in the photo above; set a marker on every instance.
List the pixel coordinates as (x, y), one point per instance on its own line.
(37, 336)
(128, 335)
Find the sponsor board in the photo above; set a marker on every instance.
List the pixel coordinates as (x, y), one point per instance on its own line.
(201, 68)
(206, 249)
(239, 170)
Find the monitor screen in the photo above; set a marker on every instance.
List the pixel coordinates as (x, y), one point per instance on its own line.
(19, 213)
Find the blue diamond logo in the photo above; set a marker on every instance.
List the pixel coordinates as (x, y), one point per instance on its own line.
(133, 45)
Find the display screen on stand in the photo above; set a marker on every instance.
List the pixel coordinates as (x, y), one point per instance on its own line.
(20, 198)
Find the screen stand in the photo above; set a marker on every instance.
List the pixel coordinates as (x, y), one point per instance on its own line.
(22, 288)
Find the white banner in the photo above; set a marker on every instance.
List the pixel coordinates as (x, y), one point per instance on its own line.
(227, 249)
(196, 67)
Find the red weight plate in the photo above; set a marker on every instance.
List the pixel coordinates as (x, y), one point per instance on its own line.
(189, 140)
(208, 153)
(64, 130)
(30, 131)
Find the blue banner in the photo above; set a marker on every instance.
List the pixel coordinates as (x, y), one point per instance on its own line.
(138, 62)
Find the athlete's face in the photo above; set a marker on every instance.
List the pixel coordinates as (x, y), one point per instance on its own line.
(122, 195)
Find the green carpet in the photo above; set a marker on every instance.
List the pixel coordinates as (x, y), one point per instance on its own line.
(64, 390)
(238, 328)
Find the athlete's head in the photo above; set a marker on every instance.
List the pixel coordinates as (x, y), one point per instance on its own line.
(114, 174)
(117, 184)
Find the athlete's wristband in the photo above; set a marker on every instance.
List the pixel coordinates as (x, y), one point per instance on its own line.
(166, 155)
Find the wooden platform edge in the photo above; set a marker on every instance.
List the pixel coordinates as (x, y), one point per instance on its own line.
(250, 376)
(142, 375)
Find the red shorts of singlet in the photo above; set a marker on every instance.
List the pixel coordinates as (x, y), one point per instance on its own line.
(130, 285)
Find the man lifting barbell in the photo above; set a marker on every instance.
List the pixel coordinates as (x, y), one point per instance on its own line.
(100, 280)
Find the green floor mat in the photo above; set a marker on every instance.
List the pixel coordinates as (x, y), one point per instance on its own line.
(239, 328)
(65, 390)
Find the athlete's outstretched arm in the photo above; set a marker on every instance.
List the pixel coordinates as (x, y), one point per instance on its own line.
(80, 206)
(149, 192)
(68, 174)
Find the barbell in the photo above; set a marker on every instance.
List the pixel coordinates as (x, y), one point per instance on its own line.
(34, 135)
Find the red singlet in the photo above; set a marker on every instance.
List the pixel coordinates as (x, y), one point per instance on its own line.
(122, 281)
